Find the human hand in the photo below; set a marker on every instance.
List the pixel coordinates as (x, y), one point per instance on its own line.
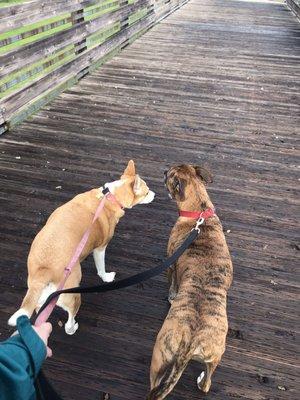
(44, 330)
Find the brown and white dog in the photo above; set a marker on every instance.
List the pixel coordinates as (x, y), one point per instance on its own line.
(196, 325)
(55, 244)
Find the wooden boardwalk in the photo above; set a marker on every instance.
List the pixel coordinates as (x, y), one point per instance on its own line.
(218, 87)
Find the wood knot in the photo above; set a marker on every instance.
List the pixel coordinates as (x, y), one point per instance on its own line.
(262, 379)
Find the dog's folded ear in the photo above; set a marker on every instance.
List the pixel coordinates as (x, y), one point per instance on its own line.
(203, 174)
(178, 188)
(129, 170)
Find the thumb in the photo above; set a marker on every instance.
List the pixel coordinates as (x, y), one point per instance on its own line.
(44, 331)
(49, 352)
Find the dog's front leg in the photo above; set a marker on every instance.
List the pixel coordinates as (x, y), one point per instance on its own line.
(99, 258)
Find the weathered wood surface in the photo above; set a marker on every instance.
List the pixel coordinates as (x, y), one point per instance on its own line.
(76, 34)
(294, 6)
(45, 46)
(219, 86)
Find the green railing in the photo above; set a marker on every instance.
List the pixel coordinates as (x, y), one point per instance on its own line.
(45, 47)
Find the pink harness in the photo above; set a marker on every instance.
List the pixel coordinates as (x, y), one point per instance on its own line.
(43, 317)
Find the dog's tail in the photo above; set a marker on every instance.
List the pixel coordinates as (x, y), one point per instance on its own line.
(167, 377)
(30, 301)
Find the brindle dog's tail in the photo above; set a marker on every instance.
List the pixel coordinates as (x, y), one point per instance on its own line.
(167, 377)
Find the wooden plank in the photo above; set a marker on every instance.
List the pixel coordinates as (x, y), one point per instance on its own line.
(7, 3)
(14, 82)
(23, 85)
(46, 97)
(294, 5)
(34, 52)
(83, 60)
(35, 10)
(28, 34)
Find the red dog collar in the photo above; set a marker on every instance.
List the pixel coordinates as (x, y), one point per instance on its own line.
(208, 213)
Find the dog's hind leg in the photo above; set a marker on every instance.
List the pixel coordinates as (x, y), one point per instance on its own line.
(170, 357)
(71, 302)
(204, 379)
(164, 381)
(36, 285)
(99, 258)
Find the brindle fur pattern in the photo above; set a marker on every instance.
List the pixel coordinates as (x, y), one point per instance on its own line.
(196, 325)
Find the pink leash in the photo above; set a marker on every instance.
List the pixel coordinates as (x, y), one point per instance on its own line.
(45, 314)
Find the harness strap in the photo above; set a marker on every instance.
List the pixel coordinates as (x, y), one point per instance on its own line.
(46, 311)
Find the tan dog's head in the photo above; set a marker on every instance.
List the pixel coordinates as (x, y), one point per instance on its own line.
(185, 181)
(131, 189)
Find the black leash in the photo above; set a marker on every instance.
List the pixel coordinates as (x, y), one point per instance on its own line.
(130, 281)
(44, 390)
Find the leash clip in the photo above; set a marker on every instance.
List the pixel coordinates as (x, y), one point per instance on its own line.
(199, 222)
(105, 191)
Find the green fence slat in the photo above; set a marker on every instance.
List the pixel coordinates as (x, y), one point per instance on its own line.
(97, 10)
(33, 32)
(52, 71)
(11, 3)
(24, 76)
(101, 36)
(137, 15)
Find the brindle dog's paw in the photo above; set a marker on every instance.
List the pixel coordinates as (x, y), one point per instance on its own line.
(200, 379)
(203, 382)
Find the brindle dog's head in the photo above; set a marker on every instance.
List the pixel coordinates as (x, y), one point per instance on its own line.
(184, 179)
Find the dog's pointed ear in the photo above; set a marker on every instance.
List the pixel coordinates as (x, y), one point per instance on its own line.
(129, 170)
(204, 174)
(137, 185)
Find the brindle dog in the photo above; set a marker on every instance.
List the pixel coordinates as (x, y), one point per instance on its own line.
(196, 325)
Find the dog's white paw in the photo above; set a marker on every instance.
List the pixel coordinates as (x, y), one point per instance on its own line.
(71, 329)
(200, 379)
(108, 277)
(13, 319)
